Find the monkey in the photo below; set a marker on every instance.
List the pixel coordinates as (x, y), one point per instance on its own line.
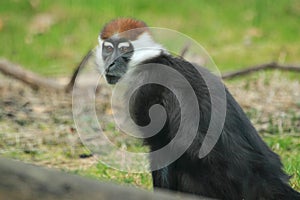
(240, 165)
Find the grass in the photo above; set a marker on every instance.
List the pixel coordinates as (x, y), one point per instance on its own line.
(288, 148)
(235, 33)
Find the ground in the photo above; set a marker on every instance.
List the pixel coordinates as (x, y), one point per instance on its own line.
(38, 126)
(50, 37)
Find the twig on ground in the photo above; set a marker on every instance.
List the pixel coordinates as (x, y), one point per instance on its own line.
(266, 66)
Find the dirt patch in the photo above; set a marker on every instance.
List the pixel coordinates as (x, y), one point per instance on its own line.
(38, 125)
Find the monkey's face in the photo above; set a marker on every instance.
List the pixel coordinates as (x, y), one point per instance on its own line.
(116, 55)
(124, 44)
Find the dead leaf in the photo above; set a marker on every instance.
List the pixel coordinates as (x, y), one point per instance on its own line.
(41, 23)
(109, 111)
(34, 3)
(254, 32)
(39, 109)
(1, 24)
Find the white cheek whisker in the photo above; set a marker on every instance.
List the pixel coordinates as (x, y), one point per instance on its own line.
(98, 57)
(145, 48)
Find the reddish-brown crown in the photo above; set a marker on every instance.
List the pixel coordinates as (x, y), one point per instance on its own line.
(122, 26)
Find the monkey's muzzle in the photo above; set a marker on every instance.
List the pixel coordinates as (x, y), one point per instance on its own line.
(115, 70)
(111, 79)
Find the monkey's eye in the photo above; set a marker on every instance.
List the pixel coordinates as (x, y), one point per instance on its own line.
(108, 49)
(124, 49)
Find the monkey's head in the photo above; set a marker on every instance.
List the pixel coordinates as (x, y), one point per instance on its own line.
(124, 43)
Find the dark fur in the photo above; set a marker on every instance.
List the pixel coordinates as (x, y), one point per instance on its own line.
(241, 166)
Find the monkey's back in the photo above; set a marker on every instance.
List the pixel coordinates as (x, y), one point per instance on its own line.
(240, 165)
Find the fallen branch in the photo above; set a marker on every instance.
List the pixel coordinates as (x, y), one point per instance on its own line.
(24, 181)
(81, 65)
(249, 70)
(33, 80)
(267, 66)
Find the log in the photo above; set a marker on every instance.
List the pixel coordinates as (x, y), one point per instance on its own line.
(22, 181)
(33, 80)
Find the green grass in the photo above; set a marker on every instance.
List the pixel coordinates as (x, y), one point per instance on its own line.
(235, 33)
(288, 148)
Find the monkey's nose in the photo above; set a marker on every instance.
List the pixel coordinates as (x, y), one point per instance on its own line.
(110, 67)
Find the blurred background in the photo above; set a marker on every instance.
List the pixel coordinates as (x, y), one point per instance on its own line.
(50, 38)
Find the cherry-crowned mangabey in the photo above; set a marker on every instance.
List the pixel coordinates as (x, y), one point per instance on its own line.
(240, 165)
